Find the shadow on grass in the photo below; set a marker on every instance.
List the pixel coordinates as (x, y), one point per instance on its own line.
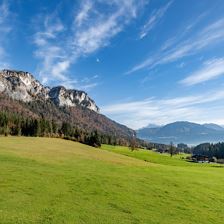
(218, 166)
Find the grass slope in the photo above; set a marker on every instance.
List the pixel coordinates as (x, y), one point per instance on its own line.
(56, 181)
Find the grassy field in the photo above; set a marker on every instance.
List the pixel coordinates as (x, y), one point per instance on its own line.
(57, 181)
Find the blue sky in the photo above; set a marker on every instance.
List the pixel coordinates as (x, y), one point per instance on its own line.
(142, 61)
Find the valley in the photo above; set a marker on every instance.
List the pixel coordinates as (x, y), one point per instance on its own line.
(47, 180)
(111, 112)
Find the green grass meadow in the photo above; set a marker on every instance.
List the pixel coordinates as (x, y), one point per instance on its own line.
(45, 180)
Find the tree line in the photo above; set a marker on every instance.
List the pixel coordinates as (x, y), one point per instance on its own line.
(210, 150)
(17, 125)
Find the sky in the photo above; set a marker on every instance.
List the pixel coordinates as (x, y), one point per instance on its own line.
(142, 61)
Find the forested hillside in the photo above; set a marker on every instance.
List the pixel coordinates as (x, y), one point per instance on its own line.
(44, 118)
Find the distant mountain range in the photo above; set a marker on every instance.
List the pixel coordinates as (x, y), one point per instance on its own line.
(21, 93)
(182, 132)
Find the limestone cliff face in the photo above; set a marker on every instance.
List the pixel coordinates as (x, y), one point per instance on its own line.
(70, 97)
(23, 86)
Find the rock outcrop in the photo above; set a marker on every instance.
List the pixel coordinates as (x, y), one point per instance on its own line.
(70, 97)
(23, 86)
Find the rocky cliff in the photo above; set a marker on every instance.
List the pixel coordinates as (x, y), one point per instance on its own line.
(70, 97)
(23, 86)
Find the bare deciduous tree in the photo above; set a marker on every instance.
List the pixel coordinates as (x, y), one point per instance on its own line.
(171, 149)
(133, 143)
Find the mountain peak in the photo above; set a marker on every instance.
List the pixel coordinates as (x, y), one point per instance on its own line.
(21, 85)
(70, 97)
(183, 131)
(151, 125)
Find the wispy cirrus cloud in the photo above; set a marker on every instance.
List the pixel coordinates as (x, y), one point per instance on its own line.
(50, 51)
(153, 20)
(4, 9)
(86, 84)
(210, 35)
(58, 46)
(210, 70)
(5, 28)
(137, 114)
(173, 41)
(83, 14)
(99, 27)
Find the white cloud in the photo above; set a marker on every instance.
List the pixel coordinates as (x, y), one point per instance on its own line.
(172, 51)
(51, 51)
(137, 114)
(60, 45)
(5, 28)
(97, 30)
(153, 20)
(88, 40)
(211, 70)
(83, 14)
(4, 11)
(86, 84)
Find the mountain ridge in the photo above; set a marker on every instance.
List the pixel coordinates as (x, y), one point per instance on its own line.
(23, 86)
(213, 126)
(21, 93)
(183, 131)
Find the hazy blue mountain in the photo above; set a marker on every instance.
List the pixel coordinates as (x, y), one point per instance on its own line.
(214, 126)
(153, 126)
(182, 131)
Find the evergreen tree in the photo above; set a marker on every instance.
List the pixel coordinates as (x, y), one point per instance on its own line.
(37, 128)
(66, 129)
